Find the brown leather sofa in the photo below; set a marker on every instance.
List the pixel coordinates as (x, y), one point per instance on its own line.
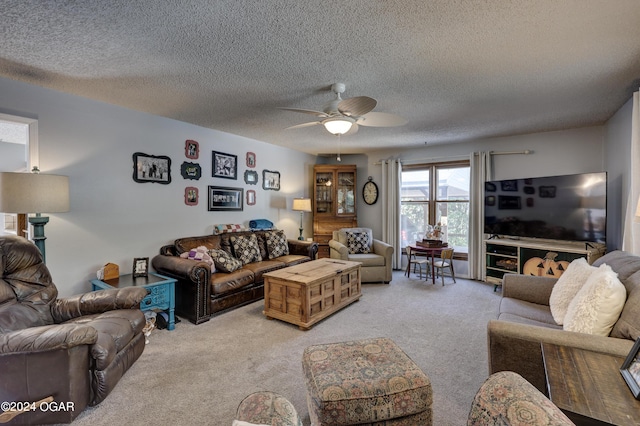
(201, 294)
(74, 350)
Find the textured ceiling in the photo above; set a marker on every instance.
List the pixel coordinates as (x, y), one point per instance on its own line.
(456, 70)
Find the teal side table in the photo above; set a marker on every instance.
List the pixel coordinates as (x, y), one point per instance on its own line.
(161, 295)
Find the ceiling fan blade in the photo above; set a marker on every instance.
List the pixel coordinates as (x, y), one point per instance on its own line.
(357, 106)
(381, 119)
(352, 130)
(299, 126)
(306, 111)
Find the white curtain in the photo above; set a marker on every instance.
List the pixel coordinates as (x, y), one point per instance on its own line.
(391, 181)
(631, 234)
(480, 173)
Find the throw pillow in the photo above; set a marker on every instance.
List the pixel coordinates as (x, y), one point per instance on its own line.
(358, 242)
(567, 286)
(245, 248)
(276, 244)
(598, 304)
(200, 253)
(224, 261)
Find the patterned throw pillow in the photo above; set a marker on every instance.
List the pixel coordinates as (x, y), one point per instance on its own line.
(245, 248)
(358, 242)
(223, 261)
(276, 244)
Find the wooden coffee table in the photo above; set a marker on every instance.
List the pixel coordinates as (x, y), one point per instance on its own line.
(588, 386)
(309, 292)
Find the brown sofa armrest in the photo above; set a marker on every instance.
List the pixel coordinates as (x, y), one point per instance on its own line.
(183, 269)
(47, 338)
(338, 250)
(528, 288)
(97, 302)
(303, 248)
(517, 347)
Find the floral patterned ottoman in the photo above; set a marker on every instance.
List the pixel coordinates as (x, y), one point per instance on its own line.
(365, 382)
(266, 408)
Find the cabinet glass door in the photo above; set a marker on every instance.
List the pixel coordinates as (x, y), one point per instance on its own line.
(345, 193)
(324, 196)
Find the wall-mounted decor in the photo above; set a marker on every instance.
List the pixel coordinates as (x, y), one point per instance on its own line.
(224, 165)
(225, 199)
(140, 267)
(151, 168)
(509, 185)
(547, 191)
(191, 196)
(530, 202)
(490, 187)
(250, 177)
(190, 170)
(490, 200)
(271, 180)
(508, 202)
(251, 159)
(251, 197)
(530, 190)
(192, 149)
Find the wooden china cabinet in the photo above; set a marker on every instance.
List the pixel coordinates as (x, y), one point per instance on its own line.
(334, 202)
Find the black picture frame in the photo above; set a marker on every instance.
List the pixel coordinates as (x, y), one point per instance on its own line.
(630, 370)
(509, 202)
(250, 177)
(490, 187)
(151, 168)
(191, 171)
(271, 180)
(224, 165)
(140, 267)
(509, 185)
(222, 198)
(547, 191)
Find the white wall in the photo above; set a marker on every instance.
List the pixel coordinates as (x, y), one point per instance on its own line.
(114, 219)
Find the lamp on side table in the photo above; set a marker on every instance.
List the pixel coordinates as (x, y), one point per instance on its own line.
(301, 205)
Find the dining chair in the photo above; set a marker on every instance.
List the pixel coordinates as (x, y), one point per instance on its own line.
(446, 261)
(417, 259)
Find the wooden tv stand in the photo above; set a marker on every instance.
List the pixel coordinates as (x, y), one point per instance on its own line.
(507, 255)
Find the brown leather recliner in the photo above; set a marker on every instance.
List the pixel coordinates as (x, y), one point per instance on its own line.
(74, 350)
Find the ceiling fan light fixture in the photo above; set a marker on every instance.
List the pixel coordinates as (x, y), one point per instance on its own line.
(338, 125)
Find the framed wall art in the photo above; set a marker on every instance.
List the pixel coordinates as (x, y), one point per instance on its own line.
(151, 168)
(251, 159)
(509, 185)
(191, 196)
(250, 177)
(271, 180)
(224, 165)
(225, 199)
(190, 170)
(140, 267)
(192, 149)
(251, 197)
(547, 191)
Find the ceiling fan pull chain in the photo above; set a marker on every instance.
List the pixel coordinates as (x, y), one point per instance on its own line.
(339, 159)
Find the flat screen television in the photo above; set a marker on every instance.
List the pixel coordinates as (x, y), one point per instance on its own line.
(568, 207)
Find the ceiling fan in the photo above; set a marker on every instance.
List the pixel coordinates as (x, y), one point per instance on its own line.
(343, 116)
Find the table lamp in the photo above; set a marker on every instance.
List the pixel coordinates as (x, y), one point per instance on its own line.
(34, 193)
(301, 205)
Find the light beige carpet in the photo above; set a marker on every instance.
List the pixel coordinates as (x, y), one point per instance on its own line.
(198, 375)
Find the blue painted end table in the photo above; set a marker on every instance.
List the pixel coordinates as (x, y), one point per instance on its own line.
(161, 292)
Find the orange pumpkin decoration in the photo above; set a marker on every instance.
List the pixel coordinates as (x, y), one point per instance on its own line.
(546, 267)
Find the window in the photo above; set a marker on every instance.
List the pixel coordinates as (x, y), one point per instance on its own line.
(432, 194)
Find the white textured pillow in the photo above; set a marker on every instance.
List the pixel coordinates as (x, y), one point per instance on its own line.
(598, 304)
(567, 286)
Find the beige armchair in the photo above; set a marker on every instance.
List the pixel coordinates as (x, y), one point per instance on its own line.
(358, 245)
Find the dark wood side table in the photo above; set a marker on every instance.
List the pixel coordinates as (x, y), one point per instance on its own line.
(588, 387)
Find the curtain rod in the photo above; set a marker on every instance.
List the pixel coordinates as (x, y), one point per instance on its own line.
(459, 157)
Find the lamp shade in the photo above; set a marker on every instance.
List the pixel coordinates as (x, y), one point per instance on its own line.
(301, 205)
(338, 125)
(33, 193)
